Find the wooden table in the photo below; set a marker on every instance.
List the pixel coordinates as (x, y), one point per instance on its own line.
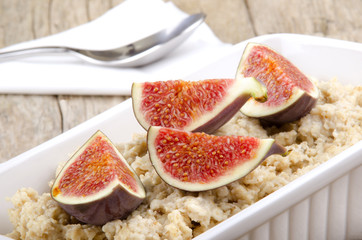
(28, 120)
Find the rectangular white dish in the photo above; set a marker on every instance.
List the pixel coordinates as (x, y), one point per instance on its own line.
(325, 203)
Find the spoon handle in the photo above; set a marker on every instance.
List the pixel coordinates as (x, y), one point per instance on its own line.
(29, 52)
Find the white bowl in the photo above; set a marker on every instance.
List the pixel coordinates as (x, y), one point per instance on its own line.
(325, 203)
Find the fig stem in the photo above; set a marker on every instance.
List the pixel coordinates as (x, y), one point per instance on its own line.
(286, 153)
(255, 88)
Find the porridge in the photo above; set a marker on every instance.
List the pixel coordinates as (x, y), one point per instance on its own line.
(333, 125)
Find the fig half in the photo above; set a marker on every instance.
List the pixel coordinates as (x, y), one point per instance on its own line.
(97, 184)
(197, 106)
(200, 162)
(291, 94)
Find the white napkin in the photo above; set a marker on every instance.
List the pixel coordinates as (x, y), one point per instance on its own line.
(127, 22)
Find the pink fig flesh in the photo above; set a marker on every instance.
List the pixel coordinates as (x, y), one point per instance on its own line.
(97, 185)
(200, 162)
(193, 106)
(291, 94)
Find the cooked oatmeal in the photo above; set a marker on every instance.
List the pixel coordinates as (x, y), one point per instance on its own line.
(333, 125)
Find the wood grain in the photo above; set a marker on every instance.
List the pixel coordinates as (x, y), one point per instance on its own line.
(329, 18)
(26, 121)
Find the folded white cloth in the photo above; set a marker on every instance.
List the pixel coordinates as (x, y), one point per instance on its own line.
(127, 22)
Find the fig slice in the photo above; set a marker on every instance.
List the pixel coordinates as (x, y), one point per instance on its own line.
(97, 184)
(197, 106)
(291, 94)
(199, 162)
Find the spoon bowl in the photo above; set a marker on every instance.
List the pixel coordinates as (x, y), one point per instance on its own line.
(136, 54)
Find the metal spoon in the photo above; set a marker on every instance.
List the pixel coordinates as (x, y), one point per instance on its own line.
(139, 53)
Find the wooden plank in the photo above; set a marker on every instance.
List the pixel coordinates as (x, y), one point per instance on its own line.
(231, 20)
(96, 8)
(25, 122)
(40, 18)
(66, 14)
(77, 109)
(16, 21)
(337, 19)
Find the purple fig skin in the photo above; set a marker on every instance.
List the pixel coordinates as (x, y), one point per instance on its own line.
(118, 205)
(242, 90)
(297, 110)
(267, 148)
(114, 201)
(302, 104)
(225, 115)
(274, 149)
